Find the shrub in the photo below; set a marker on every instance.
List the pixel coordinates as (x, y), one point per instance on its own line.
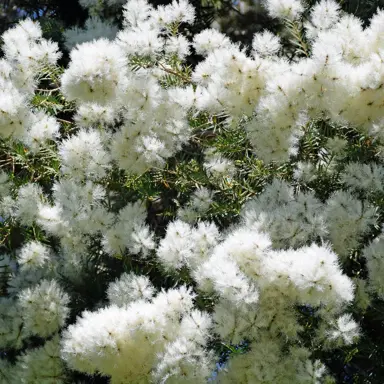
(169, 224)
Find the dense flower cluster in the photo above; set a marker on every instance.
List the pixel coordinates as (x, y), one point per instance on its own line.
(277, 282)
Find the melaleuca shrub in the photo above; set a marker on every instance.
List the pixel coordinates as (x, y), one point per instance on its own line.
(168, 224)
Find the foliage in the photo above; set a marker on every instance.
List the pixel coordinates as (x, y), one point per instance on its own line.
(164, 220)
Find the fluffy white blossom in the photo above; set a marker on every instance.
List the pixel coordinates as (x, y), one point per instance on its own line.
(244, 270)
(178, 46)
(281, 9)
(208, 40)
(15, 115)
(136, 13)
(347, 220)
(129, 288)
(266, 363)
(94, 28)
(135, 105)
(43, 128)
(141, 41)
(198, 205)
(12, 332)
(186, 246)
(153, 138)
(374, 254)
(129, 231)
(41, 365)
(44, 308)
(33, 255)
(92, 114)
(336, 145)
(28, 52)
(218, 166)
(96, 72)
(290, 220)
(49, 219)
(84, 155)
(345, 331)
(324, 15)
(27, 203)
(141, 339)
(221, 274)
(265, 44)
(177, 12)
(305, 172)
(232, 81)
(368, 178)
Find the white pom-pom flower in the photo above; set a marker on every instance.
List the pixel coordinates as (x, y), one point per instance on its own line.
(44, 308)
(95, 73)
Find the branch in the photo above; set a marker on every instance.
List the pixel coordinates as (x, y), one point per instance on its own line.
(172, 72)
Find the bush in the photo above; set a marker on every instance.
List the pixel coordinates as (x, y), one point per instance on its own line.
(169, 224)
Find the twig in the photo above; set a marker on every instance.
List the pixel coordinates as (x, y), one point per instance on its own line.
(172, 72)
(64, 121)
(48, 90)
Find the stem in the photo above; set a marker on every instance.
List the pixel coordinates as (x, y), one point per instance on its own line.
(172, 72)
(48, 90)
(64, 121)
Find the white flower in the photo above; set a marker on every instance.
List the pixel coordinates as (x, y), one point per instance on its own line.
(84, 155)
(305, 172)
(177, 12)
(94, 28)
(281, 9)
(199, 203)
(93, 114)
(290, 220)
(140, 41)
(336, 145)
(136, 151)
(177, 45)
(313, 372)
(185, 246)
(95, 73)
(38, 364)
(374, 254)
(266, 44)
(28, 200)
(28, 53)
(184, 361)
(368, 178)
(129, 231)
(345, 330)
(49, 218)
(43, 128)
(14, 115)
(33, 255)
(175, 249)
(347, 219)
(44, 308)
(129, 288)
(128, 342)
(208, 40)
(324, 15)
(218, 167)
(136, 12)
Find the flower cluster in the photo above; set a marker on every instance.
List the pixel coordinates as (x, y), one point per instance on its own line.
(163, 338)
(155, 216)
